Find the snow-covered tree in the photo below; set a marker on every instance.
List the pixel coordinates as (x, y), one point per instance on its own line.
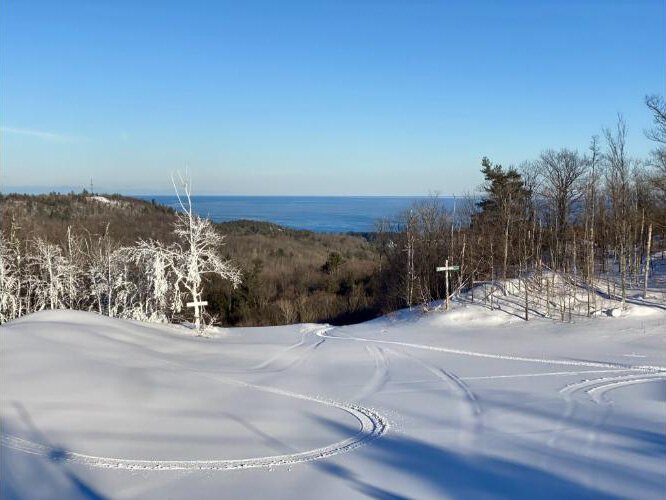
(109, 276)
(74, 272)
(198, 251)
(159, 294)
(50, 274)
(10, 283)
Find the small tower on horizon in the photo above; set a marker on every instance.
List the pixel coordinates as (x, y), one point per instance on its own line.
(91, 186)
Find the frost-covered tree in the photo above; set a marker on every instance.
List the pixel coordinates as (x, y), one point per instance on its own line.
(74, 272)
(109, 276)
(159, 294)
(198, 251)
(51, 271)
(10, 284)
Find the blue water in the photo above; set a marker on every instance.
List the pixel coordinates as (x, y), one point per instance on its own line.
(327, 214)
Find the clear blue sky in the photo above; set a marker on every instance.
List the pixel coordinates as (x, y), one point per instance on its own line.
(314, 97)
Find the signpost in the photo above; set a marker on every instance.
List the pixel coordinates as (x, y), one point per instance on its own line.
(446, 268)
(197, 316)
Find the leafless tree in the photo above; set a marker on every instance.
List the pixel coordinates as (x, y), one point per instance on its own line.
(618, 181)
(563, 184)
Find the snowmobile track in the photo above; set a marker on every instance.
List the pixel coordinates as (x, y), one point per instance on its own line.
(372, 426)
(507, 357)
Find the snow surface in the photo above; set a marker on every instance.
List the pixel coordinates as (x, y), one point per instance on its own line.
(470, 403)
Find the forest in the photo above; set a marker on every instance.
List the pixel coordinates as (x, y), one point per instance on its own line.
(92, 252)
(554, 225)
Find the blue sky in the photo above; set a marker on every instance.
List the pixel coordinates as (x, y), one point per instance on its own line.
(368, 97)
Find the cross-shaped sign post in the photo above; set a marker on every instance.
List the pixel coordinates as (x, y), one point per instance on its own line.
(446, 268)
(197, 315)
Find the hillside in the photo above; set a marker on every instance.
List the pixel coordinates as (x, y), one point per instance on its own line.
(285, 276)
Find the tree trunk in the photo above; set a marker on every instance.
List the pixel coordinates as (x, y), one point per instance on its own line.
(647, 261)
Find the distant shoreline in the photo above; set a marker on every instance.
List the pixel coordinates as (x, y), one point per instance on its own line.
(320, 214)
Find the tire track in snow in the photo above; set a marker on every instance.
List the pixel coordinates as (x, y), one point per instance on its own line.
(595, 388)
(507, 357)
(450, 378)
(280, 354)
(380, 375)
(572, 407)
(658, 372)
(544, 374)
(599, 393)
(372, 426)
(301, 348)
(469, 402)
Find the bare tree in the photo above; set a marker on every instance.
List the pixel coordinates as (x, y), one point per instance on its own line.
(618, 180)
(563, 174)
(657, 133)
(590, 222)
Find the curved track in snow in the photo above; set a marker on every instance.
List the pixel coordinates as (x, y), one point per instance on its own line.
(564, 362)
(596, 388)
(372, 426)
(465, 394)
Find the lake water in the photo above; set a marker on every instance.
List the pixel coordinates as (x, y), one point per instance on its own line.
(339, 214)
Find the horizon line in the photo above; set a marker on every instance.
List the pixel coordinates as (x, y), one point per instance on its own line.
(24, 190)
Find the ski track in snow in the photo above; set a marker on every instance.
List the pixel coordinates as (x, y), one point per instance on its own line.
(372, 426)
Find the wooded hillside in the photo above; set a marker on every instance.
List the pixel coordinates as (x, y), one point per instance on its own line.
(287, 275)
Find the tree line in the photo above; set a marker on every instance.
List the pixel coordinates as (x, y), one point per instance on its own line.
(561, 223)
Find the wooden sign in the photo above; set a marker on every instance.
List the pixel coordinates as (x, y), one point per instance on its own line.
(195, 304)
(446, 268)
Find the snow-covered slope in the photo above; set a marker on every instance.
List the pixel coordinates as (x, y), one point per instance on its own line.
(470, 403)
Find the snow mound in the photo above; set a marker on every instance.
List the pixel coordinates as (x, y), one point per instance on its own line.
(470, 315)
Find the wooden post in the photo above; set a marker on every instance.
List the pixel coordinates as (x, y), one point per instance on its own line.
(197, 311)
(446, 273)
(446, 268)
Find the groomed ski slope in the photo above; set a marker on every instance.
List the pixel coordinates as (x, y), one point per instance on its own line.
(470, 403)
